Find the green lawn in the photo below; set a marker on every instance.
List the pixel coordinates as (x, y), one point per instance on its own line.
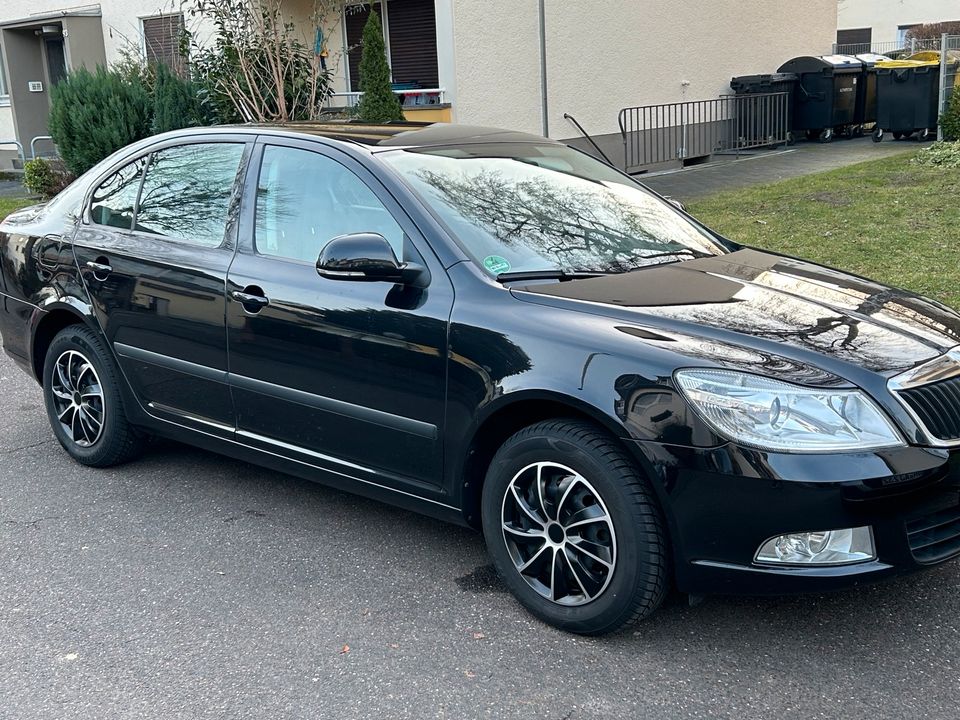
(9, 204)
(886, 219)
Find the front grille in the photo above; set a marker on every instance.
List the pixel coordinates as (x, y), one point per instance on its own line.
(936, 536)
(937, 406)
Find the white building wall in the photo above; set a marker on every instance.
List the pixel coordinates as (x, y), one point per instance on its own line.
(497, 66)
(603, 56)
(6, 127)
(886, 16)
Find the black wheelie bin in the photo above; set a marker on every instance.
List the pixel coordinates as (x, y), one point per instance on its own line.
(825, 101)
(907, 97)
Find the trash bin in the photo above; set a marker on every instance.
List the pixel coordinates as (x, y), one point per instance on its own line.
(866, 113)
(907, 97)
(765, 84)
(825, 100)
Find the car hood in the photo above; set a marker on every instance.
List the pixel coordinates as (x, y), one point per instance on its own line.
(751, 298)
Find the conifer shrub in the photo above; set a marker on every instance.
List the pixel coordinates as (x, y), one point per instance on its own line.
(378, 104)
(95, 114)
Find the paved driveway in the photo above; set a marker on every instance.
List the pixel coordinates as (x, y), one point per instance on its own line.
(765, 167)
(188, 586)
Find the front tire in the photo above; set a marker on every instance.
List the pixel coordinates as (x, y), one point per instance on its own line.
(81, 391)
(574, 529)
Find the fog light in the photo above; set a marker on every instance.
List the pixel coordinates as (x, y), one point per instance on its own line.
(829, 547)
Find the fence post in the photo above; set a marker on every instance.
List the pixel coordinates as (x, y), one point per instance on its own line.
(943, 85)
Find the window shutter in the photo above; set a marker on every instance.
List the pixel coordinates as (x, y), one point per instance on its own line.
(413, 42)
(161, 40)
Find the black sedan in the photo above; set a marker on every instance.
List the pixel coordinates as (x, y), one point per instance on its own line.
(498, 330)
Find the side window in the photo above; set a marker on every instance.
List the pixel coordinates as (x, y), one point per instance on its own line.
(305, 199)
(186, 193)
(112, 202)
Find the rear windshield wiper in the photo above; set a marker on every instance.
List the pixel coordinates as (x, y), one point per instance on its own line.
(520, 275)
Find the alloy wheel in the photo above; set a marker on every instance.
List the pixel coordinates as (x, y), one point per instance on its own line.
(559, 533)
(78, 398)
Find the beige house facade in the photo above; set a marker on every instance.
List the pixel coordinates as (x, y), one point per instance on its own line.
(522, 64)
(886, 22)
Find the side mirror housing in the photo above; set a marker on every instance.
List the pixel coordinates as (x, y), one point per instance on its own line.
(368, 257)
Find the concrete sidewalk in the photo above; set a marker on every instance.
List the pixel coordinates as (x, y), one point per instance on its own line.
(805, 158)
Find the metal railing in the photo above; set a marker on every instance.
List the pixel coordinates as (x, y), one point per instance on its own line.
(656, 134)
(419, 97)
(899, 47)
(33, 145)
(19, 148)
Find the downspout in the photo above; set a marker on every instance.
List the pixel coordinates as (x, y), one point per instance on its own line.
(545, 123)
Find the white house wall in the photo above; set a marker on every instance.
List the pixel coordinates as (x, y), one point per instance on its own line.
(602, 56)
(886, 16)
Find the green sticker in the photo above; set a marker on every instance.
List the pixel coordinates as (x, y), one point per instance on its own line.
(496, 264)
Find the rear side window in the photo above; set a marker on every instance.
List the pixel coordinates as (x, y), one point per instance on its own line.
(186, 193)
(114, 200)
(305, 199)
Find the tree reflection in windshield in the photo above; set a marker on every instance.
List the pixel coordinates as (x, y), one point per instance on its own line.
(552, 210)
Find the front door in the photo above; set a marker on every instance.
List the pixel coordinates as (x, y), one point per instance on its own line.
(349, 376)
(153, 253)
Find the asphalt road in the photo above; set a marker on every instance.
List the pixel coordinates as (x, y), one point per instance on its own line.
(185, 585)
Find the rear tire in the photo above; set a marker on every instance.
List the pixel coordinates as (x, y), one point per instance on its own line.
(81, 391)
(574, 529)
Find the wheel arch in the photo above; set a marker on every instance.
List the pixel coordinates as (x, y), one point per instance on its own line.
(54, 319)
(507, 417)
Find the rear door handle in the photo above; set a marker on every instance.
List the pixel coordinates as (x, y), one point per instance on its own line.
(252, 301)
(99, 268)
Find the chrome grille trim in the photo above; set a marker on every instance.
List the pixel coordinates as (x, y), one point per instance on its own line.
(941, 369)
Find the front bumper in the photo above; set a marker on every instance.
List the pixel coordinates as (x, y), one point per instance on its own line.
(722, 504)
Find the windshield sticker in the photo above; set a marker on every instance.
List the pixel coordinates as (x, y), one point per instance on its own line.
(496, 264)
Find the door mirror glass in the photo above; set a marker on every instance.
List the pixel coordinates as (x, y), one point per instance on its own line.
(367, 257)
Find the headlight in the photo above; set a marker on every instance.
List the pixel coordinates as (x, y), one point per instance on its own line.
(774, 415)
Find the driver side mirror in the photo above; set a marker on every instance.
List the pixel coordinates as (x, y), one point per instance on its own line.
(368, 257)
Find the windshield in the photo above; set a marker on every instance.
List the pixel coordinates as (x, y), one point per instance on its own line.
(516, 207)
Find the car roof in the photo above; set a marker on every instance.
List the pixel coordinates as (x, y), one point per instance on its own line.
(407, 134)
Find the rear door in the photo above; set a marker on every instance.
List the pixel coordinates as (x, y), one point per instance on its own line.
(350, 376)
(153, 252)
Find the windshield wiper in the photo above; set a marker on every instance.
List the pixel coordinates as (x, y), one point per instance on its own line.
(550, 275)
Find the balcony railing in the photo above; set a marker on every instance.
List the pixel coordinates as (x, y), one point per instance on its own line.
(418, 97)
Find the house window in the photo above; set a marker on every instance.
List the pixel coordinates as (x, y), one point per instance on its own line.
(902, 32)
(411, 39)
(860, 37)
(4, 93)
(161, 41)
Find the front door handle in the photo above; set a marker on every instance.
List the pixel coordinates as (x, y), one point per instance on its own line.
(252, 299)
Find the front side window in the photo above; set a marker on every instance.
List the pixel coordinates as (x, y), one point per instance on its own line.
(305, 199)
(186, 193)
(113, 202)
(528, 208)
